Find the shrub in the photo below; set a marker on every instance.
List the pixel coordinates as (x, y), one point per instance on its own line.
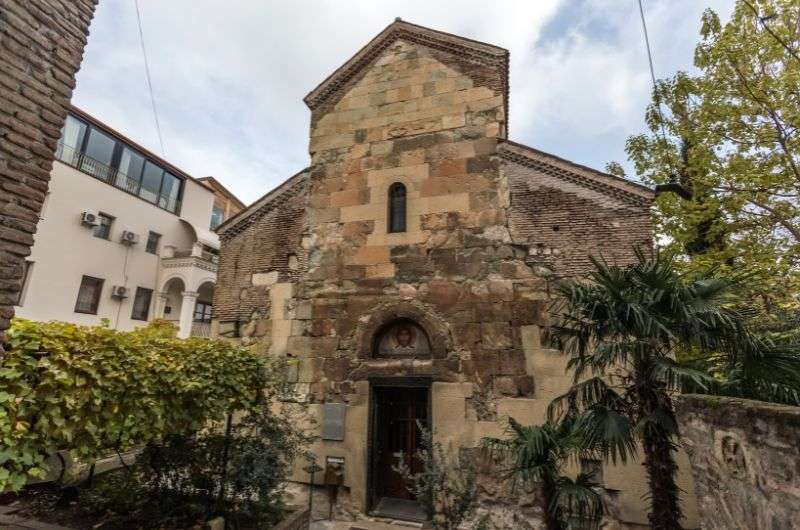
(89, 389)
(238, 472)
(447, 486)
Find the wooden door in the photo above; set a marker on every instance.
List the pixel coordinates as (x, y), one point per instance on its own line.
(397, 411)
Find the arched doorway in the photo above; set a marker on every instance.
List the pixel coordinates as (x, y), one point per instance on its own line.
(171, 300)
(201, 318)
(400, 407)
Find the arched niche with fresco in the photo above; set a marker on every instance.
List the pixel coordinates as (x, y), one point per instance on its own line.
(401, 338)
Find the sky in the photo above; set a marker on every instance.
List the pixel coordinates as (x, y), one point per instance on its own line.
(229, 82)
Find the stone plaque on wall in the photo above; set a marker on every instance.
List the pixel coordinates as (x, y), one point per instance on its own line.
(333, 421)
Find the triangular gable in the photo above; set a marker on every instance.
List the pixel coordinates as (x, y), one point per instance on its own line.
(269, 201)
(620, 188)
(472, 51)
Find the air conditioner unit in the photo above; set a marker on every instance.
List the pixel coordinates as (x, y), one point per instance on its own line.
(89, 219)
(129, 238)
(119, 291)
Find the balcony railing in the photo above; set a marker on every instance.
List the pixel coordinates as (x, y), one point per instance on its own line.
(86, 164)
(201, 329)
(189, 253)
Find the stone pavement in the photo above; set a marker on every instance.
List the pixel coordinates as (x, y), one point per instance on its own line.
(364, 525)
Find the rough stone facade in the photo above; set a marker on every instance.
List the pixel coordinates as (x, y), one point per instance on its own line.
(745, 459)
(490, 223)
(41, 47)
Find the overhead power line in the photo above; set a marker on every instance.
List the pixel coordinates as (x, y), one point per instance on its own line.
(672, 186)
(149, 82)
(652, 72)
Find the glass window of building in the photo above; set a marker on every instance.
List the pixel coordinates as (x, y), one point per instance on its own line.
(103, 228)
(202, 312)
(129, 173)
(108, 158)
(141, 303)
(152, 242)
(170, 192)
(71, 140)
(217, 216)
(151, 182)
(89, 295)
(99, 153)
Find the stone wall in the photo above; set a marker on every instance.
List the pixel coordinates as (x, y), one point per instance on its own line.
(564, 223)
(263, 249)
(41, 47)
(745, 458)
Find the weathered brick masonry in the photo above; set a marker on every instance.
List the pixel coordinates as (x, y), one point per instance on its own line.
(41, 47)
(311, 270)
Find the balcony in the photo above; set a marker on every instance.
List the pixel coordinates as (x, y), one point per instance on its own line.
(187, 278)
(109, 175)
(197, 256)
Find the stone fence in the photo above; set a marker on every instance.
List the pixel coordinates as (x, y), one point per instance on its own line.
(745, 459)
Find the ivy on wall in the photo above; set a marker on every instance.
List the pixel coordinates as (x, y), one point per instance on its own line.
(93, 389)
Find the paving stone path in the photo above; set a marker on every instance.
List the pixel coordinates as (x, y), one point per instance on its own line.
(364, 525)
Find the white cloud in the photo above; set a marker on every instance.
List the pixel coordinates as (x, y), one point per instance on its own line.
(229, 81)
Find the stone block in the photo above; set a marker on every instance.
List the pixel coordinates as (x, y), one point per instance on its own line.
(496, 336)
(264, 278)
(371, 255)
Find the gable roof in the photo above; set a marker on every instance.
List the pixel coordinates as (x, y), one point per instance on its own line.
(216, 185)
(624, 189)
(469, 49)
(262, 205)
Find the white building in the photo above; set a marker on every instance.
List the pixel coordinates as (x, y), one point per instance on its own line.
(124, 236)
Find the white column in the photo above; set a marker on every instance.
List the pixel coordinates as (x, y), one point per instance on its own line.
(161, 303)
(187, 312)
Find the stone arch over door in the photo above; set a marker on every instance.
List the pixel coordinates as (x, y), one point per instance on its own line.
(383, 317)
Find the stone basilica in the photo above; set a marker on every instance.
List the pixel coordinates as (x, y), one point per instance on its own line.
(408, 270)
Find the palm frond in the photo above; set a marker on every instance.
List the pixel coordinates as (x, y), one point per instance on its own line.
(579, 499)
(607, 432)
(677, 376)
(583, 396)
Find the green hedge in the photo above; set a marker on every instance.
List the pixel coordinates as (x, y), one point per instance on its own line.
(92, 389)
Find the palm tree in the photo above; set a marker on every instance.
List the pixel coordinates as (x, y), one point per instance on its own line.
(622, 330)
(537, 455)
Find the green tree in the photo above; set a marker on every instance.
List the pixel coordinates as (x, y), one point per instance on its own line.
(536, 456)
(726, 139)
(622, 330)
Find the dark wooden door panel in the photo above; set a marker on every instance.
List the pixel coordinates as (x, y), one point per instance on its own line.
(398, 412)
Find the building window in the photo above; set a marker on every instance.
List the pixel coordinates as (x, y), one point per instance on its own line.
(71, 140)
(141, 303)
(202, 312)
(152, 242)
(397, 208)
(99, 153)
(217, 216)
(89, 295)
(108, 158)
(103, 228)
(170, 195)
(129, 172)
(27, 270)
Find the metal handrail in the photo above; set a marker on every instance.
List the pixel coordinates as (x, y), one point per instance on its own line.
(105, 173)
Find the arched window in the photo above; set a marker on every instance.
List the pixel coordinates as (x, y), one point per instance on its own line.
(397, 208)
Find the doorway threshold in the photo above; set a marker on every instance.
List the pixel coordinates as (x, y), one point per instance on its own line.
(403, 509)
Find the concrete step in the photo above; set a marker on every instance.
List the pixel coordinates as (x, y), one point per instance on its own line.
(386, 524)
